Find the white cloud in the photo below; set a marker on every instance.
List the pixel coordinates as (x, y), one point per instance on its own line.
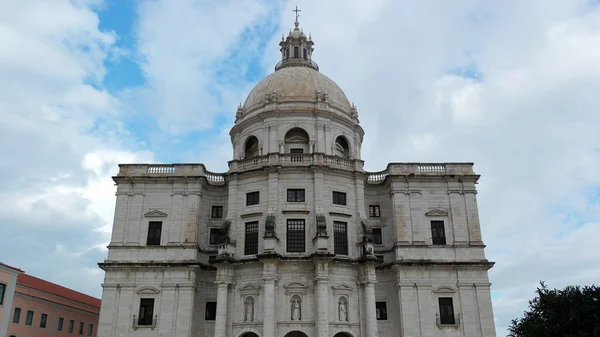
(56, 170)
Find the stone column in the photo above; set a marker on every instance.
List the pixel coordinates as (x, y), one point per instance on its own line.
(368, 280)
(221, 318)
(223, 280)
(270, 277)
(269, 302)
(322, 293)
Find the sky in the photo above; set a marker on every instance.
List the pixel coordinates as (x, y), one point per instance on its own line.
(509, 85)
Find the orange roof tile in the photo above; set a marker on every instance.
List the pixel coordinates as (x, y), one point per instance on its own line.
(49, 287)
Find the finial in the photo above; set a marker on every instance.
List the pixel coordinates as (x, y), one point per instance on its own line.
(297, 15)
(281, 37)
(309, 36)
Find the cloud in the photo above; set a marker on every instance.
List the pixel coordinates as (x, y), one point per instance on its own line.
(60, 139)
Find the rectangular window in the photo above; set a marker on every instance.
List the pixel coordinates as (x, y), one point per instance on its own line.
(296, 53)
(29, 318)
(81, 325)
(446, 310)
(2, 291)
(146, 311)
(287, 53)
(438, 236)
(211, 258)
(374, 211)
(340, 238)
(90, 329)
(252, 198)
(215, 236)
(305, 53)
(43, 320)
(16, 315)
(216, 212)
(295, 236)
(381, 311)
(379, 257)
(61, 322)
(377, 237)
(296, 151)
(210, 313)
(154, 232)
(71, 325)
(339, 198)
(251, 241)
(295, 195)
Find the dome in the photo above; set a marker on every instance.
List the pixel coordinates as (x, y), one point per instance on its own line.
(297, 83)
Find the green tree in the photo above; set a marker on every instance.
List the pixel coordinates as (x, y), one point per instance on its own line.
(570, 312)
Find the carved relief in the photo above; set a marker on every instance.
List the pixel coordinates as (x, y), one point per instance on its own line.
(343, 309)
(249, 309)
(296, 308)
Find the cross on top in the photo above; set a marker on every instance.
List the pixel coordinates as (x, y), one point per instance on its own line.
(296, 10)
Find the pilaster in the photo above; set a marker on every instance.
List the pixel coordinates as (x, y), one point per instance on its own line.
(368, 280)
(322, 296)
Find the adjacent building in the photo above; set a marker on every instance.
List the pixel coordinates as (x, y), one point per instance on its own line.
(296, 239)
(32, 307)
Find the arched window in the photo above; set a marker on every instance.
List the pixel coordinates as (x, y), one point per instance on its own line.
(342, 149)
(249, 334)
(342, 334)
(251, 148)
(296, 334)
(296, 141)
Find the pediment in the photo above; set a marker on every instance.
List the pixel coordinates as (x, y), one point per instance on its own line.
(343, 287)
(436, 212)
(147, 290)
(251, 287)
(295, 288)
(296, 139)
(444, 290)
(155, 214)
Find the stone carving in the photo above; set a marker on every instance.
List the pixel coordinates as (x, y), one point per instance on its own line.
(295, 309)
(321, 226)
(318, 96)
(343, 310)
(249, 312)
(325, 97)
(268, 97)
(367, 231)
(224, 232)
(275, 95)
(270, 224)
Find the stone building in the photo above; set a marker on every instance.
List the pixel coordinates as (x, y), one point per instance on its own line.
(296, 239)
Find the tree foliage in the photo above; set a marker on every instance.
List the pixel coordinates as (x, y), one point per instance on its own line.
(570, 312)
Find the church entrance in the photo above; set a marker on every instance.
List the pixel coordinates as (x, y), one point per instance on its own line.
(342, 334)
(249, 334)
(296, 334)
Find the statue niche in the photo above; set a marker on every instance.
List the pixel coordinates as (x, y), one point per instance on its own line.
(296, 309)
(249, 309)
(343, 309)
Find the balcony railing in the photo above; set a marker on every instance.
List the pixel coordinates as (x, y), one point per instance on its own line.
(295, 159)
(187, 170)
(296, 62)
(137, 324)
(420, 169)
(452, 321)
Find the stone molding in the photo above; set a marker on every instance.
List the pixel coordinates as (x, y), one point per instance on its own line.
(154, 213)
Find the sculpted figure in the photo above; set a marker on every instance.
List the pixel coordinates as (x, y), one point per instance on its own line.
(249, 311)
(295, 310)
(343, 312)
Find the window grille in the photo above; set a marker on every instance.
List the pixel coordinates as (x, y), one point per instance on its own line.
(154, 232)
(295, 195)
(374, 211)
(377, 236)
(252, 198)
(339, 198)
(217, 212)
(381, 311)
(210, 314)
(295, 236)
(215, 236)
(251, 242)
(438, 236)
(446, 310)
(146, 312)
(340, 238)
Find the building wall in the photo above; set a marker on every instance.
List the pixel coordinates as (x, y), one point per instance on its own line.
(41, 302)
(8, 278)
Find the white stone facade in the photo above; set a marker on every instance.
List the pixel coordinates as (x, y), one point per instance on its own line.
(294, 259)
